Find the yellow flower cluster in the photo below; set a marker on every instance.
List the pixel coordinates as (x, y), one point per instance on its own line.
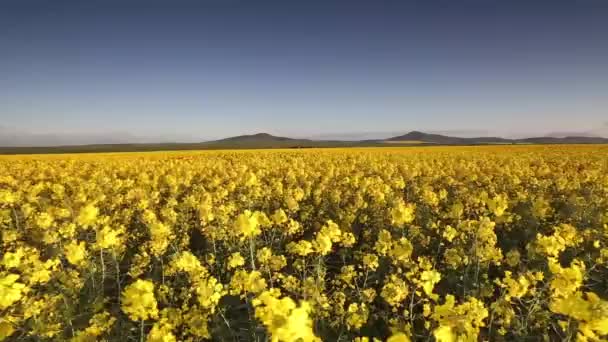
(284, 320)
(138, 300)
(498, 243)
(461, 322)
(11, 290)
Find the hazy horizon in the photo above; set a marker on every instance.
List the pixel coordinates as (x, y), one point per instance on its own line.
(18, 138)
(200, 70)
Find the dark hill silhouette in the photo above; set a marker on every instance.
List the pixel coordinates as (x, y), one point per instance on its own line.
(265, 140)
(256, 138)
(565, 140)
(447, 140)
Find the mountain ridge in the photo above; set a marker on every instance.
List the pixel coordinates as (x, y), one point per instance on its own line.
(448, 140)
(445, 139)
(266, 140)
(258, 137)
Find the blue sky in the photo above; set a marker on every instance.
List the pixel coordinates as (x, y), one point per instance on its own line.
(207, 69)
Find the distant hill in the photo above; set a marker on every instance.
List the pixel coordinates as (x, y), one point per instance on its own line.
(265, 140)
(565, 140)
(416, 136)
(421, 137)
(253, 141)
(259, 138)
(11, 137)
(601, 131)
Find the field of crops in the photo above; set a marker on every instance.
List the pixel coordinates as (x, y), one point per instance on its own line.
(492, 243)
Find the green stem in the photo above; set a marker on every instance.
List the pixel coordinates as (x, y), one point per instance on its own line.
(117, 275)
(103, 268)
(251, 252)
(17, 225)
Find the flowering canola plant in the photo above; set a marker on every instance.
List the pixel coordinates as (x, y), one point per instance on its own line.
(485, 243)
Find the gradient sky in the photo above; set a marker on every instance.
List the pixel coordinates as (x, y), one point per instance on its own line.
(215, 68)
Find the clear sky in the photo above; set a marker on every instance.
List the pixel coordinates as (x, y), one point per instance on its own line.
(215, 68)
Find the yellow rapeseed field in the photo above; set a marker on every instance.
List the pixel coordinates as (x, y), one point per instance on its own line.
(487, 243)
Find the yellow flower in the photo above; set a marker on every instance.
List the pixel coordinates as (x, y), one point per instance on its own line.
(247, 224)
(347, 274)
(444, 334)
(209, 292)
(277, 262)
(517, 288)
(398, 337)
(450, 233)
(566, 280)
(459, 322)
(7, 197)
(264, 255)
(347, 239)
(138, 300)
(235, 260)
(108, 237)
(41, 271)
(98, 325)
(565, 235)
(456, 210)
(243, 282)
(284, 320)
(591, 312)
(6, 330)
(541, 207)
(322, 244)
(513, 258)
(370, 261)
(196, 321)
(401, 251)
(332, 230)
(301, 248)
(357, 316)
(87, 215)
(187, 262)
(10, 290)
(498, 205)
(279, 217)
(368, 295)
(402, 213)
(429, 279)
(44, 220)
(394, 291)
(13, 259)
(75, 252)
(161, 333)
(161, 237)
(384, 242)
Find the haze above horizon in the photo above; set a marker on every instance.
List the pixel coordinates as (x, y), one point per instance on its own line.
(201, 70)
